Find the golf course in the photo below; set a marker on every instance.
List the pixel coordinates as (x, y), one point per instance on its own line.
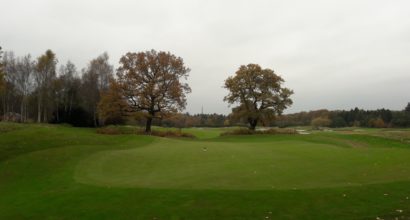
(62, 172)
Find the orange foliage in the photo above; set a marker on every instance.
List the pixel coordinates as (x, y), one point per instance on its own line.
(151, 83)
(112, 107)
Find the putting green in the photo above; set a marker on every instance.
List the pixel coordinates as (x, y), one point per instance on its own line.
(288, 164)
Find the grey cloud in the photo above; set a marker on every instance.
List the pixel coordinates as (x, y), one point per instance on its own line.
(334, 54)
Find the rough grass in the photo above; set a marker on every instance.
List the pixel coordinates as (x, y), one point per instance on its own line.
(7, 127)
(54, 172)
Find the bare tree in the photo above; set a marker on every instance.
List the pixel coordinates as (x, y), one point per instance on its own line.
(9, 70)
(95, 80)
(2, 77)
(25, 68)
(70, 81)
(46, 73)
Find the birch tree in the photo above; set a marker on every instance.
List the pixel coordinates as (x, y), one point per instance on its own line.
(45, 74)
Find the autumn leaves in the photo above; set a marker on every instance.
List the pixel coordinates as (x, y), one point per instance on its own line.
(150, 84)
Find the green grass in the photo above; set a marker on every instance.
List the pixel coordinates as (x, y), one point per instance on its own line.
(56, 172)
(177, 164)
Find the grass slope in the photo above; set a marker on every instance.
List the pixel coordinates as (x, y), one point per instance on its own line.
(54, 172)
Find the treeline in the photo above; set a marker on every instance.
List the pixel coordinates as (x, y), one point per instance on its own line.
(381, 118)
(197, 120)
(147, 90)
(38, 90)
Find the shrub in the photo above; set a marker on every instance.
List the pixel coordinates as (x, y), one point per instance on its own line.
(273, 131)
(173, 134)
(7, 127)
(377, 123)
(280, 131)
(11, 117)
(117, 130)
(321, 122)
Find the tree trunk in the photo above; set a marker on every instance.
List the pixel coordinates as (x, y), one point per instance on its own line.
(26, 112)
(252, 124)
(7, 104)
(148, 124)
(4, 104)
(71, 104)
(95, 117)
(45, 114)
(39, 110)
(58, 114)
(22, 110)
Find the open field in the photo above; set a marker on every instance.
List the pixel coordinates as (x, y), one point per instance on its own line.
(58, 172)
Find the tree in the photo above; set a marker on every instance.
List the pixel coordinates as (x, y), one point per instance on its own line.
(9, 94)
(151, 83)
(401, 119)
(57, 89)
(70, 83)
(25, 69)
(377, 123)
(407, 108)
(2, 83)
(46, 73)
(95, 80)
(258, 92)
(178, 120)
(338, 122)
(2, 78)
(321, 122)
(112, 107)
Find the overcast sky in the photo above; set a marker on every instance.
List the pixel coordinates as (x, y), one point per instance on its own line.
(333, 54)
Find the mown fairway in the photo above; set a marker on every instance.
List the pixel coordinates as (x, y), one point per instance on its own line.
(55, 172)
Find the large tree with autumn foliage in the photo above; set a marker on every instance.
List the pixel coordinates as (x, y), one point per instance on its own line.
(259, 93)
(152, 83)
